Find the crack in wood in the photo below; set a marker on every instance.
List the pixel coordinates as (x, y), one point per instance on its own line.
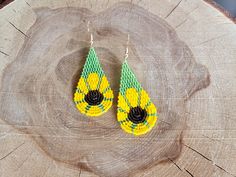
(4, 53)
(198, 153)
(175, 164)
(22, 163)
(212, 39)
(12, 151)
(180, 24)
(189, 172)
(173, 9)
(186, 19)
(165, 122)
(209, 160)
(18, 29)
(27, 3)
(224, 170)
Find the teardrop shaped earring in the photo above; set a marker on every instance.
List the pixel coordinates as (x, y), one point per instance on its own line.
(93, 95)
(136, 113)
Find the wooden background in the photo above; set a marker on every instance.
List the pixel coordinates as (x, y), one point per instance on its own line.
(182, 52)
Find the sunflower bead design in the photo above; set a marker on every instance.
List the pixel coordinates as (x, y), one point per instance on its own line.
(93, 95)
(136, 113)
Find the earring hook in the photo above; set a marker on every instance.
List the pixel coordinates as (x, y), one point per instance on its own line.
(91, 35)
(127, 49)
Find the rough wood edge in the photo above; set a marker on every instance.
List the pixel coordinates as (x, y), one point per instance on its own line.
(221, 9)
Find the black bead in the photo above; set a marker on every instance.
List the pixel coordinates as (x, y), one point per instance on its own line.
(94, 97)
(137, 115)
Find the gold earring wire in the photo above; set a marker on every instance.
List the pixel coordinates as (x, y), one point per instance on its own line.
(127, 49)
(91, 34)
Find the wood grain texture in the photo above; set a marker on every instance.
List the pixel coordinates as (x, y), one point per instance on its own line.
(40, 74)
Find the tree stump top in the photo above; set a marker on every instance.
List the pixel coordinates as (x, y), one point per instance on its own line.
(177, 52)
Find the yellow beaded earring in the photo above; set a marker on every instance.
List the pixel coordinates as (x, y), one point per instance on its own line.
(136, 113)
(93, 95)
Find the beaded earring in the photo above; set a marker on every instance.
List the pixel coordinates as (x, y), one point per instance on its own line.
(136, 113)
(93, 95)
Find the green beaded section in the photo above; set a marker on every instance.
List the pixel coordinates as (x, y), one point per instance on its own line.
(128, 79)
(92, 65)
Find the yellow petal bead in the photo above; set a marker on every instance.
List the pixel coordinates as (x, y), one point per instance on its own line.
(82, 106)
(132, 97)
(108, 94)
(93, 80)
(122, 103)
(78, 96)
(151, 109)
(121, 116)
(144, 99)
(82, 86)
(104, 84)
(94, 111)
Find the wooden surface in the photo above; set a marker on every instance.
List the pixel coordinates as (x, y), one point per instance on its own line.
(228, 7)
(182, 52)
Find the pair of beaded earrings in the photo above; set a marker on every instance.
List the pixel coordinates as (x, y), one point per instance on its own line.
(136, 113)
